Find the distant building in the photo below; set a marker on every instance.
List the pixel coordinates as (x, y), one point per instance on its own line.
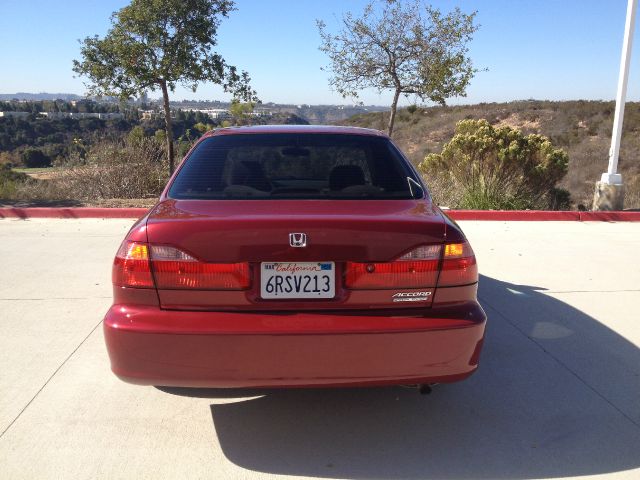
(52, 115)
(15, 114)
(110, 116)
(261, 112)
(215, 113)
(149, 114)
(82, 101)
(101, 116)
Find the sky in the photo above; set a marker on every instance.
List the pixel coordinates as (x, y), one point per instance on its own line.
(527, 49)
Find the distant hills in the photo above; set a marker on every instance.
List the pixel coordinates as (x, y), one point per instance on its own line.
(314, 114)
(39, 96)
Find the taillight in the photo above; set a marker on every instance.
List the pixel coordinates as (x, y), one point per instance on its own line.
(459, 265)
(131, 266)
(175, 269)
(416, 269)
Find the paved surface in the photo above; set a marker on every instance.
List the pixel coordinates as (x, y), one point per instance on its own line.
(557, 395)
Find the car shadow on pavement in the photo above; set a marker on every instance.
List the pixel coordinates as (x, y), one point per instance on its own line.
(557, 395)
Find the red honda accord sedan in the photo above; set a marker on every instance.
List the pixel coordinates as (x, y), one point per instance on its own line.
(284, 256)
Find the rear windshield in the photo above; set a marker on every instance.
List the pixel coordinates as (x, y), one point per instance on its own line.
(295, 166)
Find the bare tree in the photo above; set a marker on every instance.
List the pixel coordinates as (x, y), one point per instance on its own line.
(404, 46)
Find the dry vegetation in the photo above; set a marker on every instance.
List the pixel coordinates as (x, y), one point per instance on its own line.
(123, 173)
(132, 171)
(581, 128)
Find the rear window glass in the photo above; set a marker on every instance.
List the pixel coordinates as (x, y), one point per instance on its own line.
(292, 166)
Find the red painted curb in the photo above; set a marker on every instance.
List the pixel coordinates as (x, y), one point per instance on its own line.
(71, 212)
(487, 215)
(610, 216)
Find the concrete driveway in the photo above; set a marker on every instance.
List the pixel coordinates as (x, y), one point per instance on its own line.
(557, 394)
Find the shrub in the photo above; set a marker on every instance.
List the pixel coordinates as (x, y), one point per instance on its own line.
(632, 191)
(441, 191)
(10, 182)
(40, 192)
(498, 168)
(34, 158)
(9, 158)
(136, 134)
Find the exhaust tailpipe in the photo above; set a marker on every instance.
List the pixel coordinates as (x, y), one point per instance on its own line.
(424, 389)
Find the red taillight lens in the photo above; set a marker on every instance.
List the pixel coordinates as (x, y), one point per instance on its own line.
(131, 266)
(416, 269)
(175, 269)
(459, 265)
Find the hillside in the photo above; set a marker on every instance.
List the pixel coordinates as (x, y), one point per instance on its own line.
(582, 128)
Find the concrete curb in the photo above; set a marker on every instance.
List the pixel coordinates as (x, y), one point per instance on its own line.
(486, 215)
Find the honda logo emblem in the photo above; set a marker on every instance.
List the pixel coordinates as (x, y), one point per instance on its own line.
(298, 239)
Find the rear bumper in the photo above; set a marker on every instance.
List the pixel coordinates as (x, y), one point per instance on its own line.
(151, 346)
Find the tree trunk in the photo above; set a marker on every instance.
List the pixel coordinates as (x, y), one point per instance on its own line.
(167, 125)
(394, 106)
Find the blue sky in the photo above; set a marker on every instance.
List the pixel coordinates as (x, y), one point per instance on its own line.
(544, 49)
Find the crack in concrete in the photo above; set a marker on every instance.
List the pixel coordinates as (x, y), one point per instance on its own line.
(50, 378)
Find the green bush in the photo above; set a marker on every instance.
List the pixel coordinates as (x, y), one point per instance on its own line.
(34, 158)
(11, 182)
(498, 168)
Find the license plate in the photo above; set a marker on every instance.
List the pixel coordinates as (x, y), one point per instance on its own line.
(297, 280)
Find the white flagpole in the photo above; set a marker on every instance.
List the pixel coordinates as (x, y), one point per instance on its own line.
(612, 177)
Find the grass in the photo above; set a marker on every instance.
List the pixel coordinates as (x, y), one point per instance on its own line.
(41, 173)
(36, 170)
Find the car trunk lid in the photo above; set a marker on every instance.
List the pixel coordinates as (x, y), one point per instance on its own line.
(256, 231)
